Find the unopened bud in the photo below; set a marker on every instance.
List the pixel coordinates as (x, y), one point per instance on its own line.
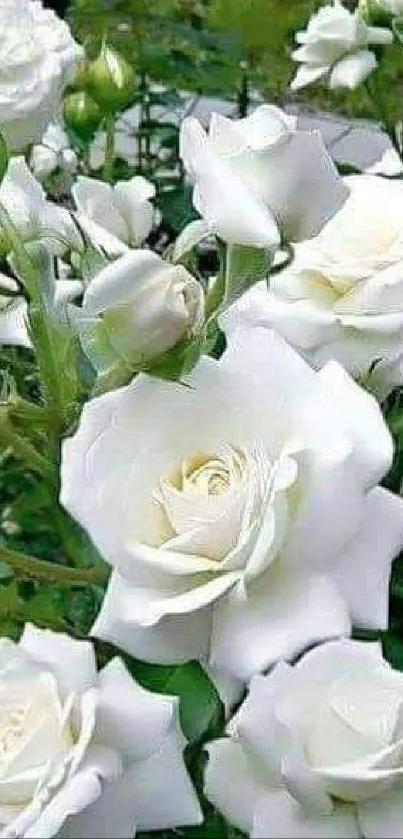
(110, 80)
(82, 115)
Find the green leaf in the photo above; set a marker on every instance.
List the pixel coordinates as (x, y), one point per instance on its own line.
(4, 157)
(201, 710)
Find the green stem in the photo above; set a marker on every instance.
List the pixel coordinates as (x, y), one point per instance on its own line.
(26, 451)
(109, 148)
(28, 567)
(243, 93)
(375, 95)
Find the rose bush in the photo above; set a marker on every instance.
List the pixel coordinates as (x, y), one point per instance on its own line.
(335, 44)
(260, 180)
(85, 753)
(37, 51)
(240, 512)
(137, 308)
(115, 217)
(342, 296)
(315, 749)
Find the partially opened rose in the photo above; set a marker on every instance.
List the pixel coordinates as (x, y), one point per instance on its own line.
(137, 308)
(115, 217)
(85, 754)
(52, 153)
(239, 509)
(336, 44)
(316, 750)
(37, 51)
(342, 297)
(260, 180)
(32, 214)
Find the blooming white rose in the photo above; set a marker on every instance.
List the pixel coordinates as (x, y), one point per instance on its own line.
(259, 180)
(241, 512)
(115, 217)
(316, 750)
(53, 152)
(342, 297)
(137, 308)
(32, 214)
(36, 52)
(85, 754)
(335, 44)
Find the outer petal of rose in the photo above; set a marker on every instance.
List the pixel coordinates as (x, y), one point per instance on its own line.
(222, 199)
(79, 792)
(129, 718)
(164, 794)
(306, 74)
(278, 816)
(174, 639)
(232, 783)
(301, 186)
(299, 322)
(95, 199)
(112, 814)
(363, 569)
(13, 325)
(254, 724)
(72, 662)
(101, 237)
(352, 70)
(381, 817)
(281, 616)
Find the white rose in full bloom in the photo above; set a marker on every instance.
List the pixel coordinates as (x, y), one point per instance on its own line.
(316, 750)
(32, 214)
(240, 512)
(335, 44)
(115, 217)
(260, 180)
(85, 753)
(53, 152)
(36, 52)
(342, 297)
(137, 308)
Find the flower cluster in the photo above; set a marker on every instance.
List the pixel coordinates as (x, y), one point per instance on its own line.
(220, 438)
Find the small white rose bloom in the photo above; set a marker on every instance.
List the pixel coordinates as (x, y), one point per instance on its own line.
(137, 308)
(85, 753)
(315, 750)
(53, 153)
(241, 513)
(342, 297)
(335, 44)
(260, 179)
(37, 51)
(115, 217)
(32, 214)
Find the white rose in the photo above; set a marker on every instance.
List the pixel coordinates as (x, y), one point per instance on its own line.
(240, 512)
(335, 44)
(259, 180)
(315, 750)
(36, 52)
(342, 297)
(32, 214)
(137, 308)
(53, 152)
(115, 217)
(82, 753)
